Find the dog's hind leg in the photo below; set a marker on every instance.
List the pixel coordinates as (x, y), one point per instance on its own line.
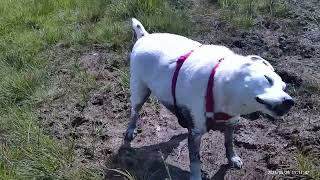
(194, 141)
(139, 94)
(233, 159)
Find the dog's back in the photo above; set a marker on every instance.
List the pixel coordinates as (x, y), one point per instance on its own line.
(155, 55)
(154, 46)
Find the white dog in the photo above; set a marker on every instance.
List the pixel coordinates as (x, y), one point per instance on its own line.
(239, 85)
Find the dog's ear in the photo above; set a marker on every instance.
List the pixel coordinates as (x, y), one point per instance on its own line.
(260, 59)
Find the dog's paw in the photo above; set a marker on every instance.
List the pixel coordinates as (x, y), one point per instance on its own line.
(236, 162)
(130, 134)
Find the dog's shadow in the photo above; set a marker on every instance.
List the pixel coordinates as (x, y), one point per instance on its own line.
(221, 173)
(147, 162)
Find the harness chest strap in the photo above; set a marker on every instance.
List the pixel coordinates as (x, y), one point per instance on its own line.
(219, 116)
(211, 116)
(180, 62)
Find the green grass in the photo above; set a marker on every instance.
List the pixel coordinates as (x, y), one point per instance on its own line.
(309, 165)
(29, 30)
(242, 12)
(26, 152)
(124, 173)
(156, 15)
(124, 79)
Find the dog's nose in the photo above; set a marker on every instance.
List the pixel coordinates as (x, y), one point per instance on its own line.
(284, 107)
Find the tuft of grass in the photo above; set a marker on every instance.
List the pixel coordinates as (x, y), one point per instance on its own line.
(124, 78)
(83, 82)
(154, 104)
(242, 12)
(124, 173)
(308, 166)
(15, 87)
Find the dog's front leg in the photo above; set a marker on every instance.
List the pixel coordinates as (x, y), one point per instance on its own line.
(194, 141)
(233, 159)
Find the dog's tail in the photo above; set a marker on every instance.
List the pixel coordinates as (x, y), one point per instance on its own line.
(138, 28)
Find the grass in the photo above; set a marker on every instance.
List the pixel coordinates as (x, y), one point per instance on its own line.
(308, 165)
(124, 78)
(243, 12)
(156, 16)
(26, 152)
(124, 173)
(29, 30)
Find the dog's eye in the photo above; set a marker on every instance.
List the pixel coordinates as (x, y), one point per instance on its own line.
(269, 80)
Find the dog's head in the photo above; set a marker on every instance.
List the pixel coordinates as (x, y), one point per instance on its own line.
(259, 88)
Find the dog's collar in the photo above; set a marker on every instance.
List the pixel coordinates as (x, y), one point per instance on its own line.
(210, 114)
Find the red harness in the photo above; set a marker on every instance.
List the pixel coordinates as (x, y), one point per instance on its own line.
(211, 116)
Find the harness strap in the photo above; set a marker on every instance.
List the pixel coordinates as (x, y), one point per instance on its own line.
(210, 114)
(180, 62)
(219, 116)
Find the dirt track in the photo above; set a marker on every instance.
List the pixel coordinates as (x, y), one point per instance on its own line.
(96, 124)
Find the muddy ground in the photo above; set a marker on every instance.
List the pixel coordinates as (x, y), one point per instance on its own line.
(93, 118)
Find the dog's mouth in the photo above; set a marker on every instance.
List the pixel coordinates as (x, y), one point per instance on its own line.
(278, 109)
